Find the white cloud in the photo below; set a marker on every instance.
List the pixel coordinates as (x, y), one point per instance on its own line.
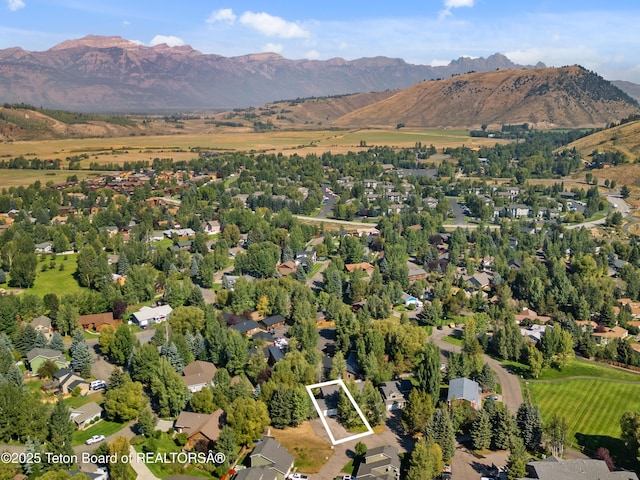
(170, 40)
(272, 47)
(458, 3)
(126, 23)
(312, 55)
(224, 15)
(449, 4)
(439, 63)
(272, 26)
(15, 5)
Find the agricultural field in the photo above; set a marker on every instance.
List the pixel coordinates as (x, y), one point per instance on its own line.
(180, 147)
(16, 178)
(592, 404)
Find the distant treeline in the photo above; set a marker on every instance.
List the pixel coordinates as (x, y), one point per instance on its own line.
(73, 117)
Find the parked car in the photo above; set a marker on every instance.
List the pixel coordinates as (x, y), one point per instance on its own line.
(494, 397)
(94, 439)
(297, 476)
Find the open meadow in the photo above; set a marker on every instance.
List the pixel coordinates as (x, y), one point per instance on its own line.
(181, 147)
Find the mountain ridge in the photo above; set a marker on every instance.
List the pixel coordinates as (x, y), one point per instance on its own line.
(112, 74)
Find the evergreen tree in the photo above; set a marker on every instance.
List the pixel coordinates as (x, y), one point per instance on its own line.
(123, 264)
(41, 340)
(170, 352)
(502, 427)
(280, 408)
(32, 449)
(529, 424)
(60, 430)
(428, 372)
(518, 458)
(481, 431)
(440, 430)
(81, 358)
(56, 342)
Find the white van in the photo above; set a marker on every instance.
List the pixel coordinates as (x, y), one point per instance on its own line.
(97, 385)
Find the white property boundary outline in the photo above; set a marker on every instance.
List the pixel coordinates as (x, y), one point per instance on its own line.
(324, 421)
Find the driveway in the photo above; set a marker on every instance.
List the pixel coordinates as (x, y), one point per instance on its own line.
(510, 383)
(391, 435)
(457, 211)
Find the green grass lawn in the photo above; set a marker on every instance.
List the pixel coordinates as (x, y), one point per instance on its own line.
(582, 368)
(55, 280)
(166, 444)
(452, 340)
(592, 407)
(103, 427)
(315, 269)
(75, 402)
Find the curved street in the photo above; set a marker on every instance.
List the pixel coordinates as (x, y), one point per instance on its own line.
(510, 383)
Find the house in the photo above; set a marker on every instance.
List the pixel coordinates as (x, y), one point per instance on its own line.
(256, 473)
(212, 227)
(66, 381)
(44, 247)
(416, 273)
(270, 454)
(411, 300)
(37, 356)
(516, 211)
(97, 321)
(287, 268)
(200, 427)
(273, 355)
(528, 315)
(554, 468)
(464, 389)
(328, 401)
(149, 315)
(380, 463)
(305, 257)
(42, 324)
(86, 414)
(479, 280)
(272, 322)
(247, 327)
(353, 371)
(198, 375)
(366, 267)
(395, 394)
(604, 335)
(534, 332)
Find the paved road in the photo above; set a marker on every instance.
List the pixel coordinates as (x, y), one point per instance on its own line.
(510, 383)
(460, 220)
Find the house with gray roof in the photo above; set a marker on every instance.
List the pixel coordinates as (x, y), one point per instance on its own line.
(37, 356)
(86, 414)
(380, 463)
(553, 468)
(464, 389)
(269, 461)
(395, 394)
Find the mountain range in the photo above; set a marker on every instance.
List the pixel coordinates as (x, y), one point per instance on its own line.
(111, 74)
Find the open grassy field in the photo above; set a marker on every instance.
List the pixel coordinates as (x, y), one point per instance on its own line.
(309, 450)
(55, 280)
(179, 147)
(16, 178)
(592, 406)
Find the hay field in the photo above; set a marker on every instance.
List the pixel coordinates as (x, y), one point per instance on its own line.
(179, 147)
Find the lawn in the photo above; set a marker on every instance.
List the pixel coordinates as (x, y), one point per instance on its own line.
(75, 402)
(166, 444)
(55, 280)
(452, 340)
(582, 368)
(309, 450)
(592, 406)
(103, 427)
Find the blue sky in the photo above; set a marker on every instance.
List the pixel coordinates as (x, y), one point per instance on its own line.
(599, 35)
